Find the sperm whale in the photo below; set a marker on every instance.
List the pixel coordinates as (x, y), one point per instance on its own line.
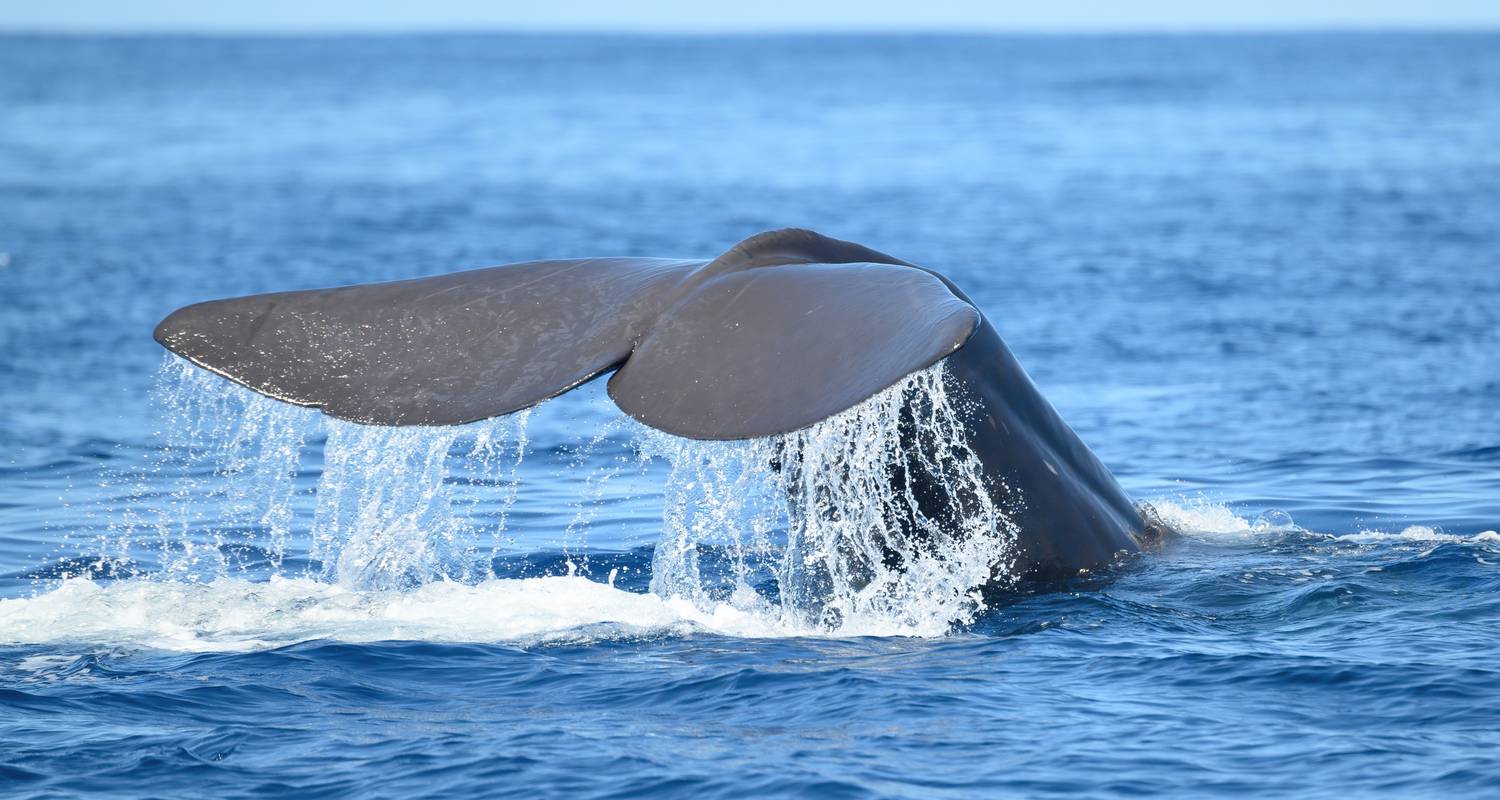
(783, 330)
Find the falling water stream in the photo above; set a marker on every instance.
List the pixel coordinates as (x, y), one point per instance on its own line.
(829, 516)
(817, 530)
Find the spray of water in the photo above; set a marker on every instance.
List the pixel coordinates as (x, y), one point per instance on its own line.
(390, 514)
(876, 520)
(387, 508)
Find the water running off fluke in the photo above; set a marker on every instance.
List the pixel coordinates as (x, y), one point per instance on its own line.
(876, 520)
(382, 508)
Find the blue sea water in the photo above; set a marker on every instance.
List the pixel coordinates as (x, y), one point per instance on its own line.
(1259, 275)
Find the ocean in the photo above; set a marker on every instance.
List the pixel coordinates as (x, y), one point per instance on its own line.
(1258, 275)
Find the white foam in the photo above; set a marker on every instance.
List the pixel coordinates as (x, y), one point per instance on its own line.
(1205, 519)
(1419, 533)
(1202, 518)
(232, 614)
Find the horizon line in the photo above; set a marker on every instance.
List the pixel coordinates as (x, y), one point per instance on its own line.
(189, 31)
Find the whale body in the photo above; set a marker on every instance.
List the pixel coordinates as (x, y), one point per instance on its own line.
(783, 330)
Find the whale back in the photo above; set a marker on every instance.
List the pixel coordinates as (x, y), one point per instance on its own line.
(781, 331)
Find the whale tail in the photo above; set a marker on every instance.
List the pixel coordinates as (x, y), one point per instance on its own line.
(783, 330)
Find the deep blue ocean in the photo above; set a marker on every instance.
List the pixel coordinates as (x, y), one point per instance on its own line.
(1259, 275)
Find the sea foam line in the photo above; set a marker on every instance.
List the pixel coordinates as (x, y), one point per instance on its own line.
(234, 614)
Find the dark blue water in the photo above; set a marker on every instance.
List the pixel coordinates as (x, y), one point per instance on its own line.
(1259, 276)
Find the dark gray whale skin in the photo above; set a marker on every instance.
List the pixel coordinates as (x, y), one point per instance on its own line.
(1073, 515)
(785, 329)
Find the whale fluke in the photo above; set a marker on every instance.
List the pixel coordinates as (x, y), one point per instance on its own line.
(782, 330)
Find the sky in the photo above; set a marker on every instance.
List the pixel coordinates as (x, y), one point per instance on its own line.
(296, 16)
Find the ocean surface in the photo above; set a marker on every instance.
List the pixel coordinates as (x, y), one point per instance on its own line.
(1260, 276)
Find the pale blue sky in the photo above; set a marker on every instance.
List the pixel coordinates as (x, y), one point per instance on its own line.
(743, 15)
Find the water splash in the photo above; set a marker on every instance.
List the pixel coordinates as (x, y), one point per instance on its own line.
(1201, 517)
(232, 461)
(385, 508)
(878, 519)
(391, 514)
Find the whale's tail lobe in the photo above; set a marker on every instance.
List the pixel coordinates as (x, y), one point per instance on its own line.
(785, 329)
(441, 350)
